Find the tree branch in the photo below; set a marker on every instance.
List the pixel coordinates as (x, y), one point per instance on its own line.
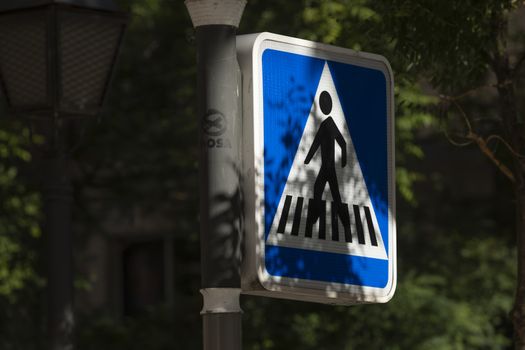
(456, 143)
(509, 147)
(482, 144)
(470, 91)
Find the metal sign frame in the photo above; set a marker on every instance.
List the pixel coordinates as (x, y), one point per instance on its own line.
(255, 278)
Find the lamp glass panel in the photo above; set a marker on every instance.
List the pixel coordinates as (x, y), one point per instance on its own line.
(87, 45)
(23, 58)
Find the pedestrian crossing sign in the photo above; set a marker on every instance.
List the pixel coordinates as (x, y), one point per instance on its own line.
(318, 170)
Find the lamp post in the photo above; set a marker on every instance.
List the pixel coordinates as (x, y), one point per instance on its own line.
(56, 62)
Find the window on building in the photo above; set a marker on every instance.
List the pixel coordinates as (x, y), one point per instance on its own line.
(144, 284)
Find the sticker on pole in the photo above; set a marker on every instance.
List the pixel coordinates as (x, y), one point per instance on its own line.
(319, 171)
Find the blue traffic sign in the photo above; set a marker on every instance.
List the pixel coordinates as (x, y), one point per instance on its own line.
(319, 171)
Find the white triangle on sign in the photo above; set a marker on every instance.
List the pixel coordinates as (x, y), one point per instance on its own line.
(289, 226)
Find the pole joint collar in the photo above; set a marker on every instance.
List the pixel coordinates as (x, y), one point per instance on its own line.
(221, 300)
(215, 12)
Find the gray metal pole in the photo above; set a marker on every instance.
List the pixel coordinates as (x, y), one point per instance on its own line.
(57, 193)
(219, 112)
(222, 331)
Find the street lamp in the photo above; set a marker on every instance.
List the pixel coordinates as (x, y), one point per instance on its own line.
(56, 56)
(56, 62)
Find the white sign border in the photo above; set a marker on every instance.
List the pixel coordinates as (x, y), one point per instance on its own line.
(300, 289)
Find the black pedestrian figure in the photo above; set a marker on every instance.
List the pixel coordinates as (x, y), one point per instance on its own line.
(326, 137)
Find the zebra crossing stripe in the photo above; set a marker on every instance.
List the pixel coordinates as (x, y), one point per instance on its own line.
(335, 223)
(339, 213)
(297, 216)
(359, 225)
(371, 229)
(316, 212)
(284, 217)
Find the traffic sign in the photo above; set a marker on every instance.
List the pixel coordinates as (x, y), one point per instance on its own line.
(318, 169)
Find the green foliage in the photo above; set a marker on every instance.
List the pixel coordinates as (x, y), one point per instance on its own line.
(19, 235)
(461, 53)
(19, 214)
(412, 115)
(455, 279)
(156, 329)
(330, 19)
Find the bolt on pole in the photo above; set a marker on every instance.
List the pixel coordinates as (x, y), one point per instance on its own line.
(220, 120)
